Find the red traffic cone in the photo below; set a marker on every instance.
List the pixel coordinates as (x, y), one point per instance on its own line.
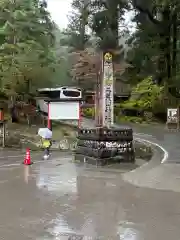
(27, 159)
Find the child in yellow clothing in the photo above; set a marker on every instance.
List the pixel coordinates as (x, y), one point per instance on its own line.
(46, 143)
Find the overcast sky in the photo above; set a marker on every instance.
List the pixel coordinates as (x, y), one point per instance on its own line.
(59, 10)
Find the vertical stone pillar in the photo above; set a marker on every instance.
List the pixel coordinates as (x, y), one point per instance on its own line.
(107, 90)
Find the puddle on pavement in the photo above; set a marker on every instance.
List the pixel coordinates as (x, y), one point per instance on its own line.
(62, 180)
(61, 230)
(127, 231)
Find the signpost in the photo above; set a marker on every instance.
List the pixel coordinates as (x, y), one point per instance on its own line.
(172, 118)
(108, 94)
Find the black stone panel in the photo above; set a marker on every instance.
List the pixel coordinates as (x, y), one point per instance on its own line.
(102, 144)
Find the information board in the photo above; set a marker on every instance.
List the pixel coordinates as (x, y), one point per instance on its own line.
(64, 110)
(172, 115)
(172, 119)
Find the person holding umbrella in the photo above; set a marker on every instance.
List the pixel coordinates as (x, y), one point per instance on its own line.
(46, 143)
(46, 136)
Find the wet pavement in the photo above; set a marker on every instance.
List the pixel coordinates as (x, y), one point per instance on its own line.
(60, 200)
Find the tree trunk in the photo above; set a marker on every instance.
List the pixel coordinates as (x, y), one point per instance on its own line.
(115, 25)
(164, 61)
(13, 110)
(174, 44)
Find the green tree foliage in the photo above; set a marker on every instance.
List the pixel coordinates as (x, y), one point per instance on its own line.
(108, 22)
(26, 34)
(143, 50)
(102, 19)
(76, 32)
(162, 16)
(145, 95)
(106, 19)
(153, 46)
(61, 76)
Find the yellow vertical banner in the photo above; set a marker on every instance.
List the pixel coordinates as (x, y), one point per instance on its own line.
(108, 91)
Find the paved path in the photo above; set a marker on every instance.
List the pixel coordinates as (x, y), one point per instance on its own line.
(60, 200)
(56, 200)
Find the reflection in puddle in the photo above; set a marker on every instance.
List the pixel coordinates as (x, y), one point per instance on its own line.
(26, 174)
(61, 227)
(126, 231)
(61, 180)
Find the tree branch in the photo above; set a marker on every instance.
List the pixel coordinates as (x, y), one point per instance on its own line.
(146, 11)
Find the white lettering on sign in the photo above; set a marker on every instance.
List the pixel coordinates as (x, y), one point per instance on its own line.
(108, 95)
(172, 115)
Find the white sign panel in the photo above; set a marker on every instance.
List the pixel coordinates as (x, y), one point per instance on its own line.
(172, 115)
(64, 110)
(108, 94)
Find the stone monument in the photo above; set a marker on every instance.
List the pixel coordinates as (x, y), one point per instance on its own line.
(106, 143)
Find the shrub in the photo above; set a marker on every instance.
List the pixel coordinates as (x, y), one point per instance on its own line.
(122, 119)
(89, 112)
(144, 96)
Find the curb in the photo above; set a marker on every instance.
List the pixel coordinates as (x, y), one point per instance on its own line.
(159, 153)
(145, 176)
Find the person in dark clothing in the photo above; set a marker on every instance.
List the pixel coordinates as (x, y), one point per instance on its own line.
(13, 114)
